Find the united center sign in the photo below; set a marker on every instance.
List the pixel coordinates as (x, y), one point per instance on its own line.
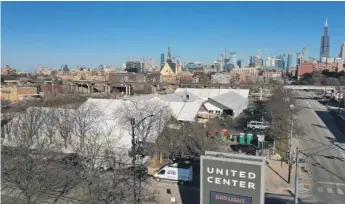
(232, 178)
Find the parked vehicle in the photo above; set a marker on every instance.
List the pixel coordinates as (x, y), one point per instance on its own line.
(261, 125)
(180, 172)
(244, 149)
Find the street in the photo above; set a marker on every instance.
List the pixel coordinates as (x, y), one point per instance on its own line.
(324, 143)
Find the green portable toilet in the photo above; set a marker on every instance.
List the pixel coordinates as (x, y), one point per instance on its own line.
(249, 138)
(242, 138)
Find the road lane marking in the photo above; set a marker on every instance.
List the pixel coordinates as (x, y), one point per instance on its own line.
(340, 191)
(320, 189)
(331, 183)
(329, 190)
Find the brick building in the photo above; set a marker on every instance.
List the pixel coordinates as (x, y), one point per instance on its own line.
(318, 67)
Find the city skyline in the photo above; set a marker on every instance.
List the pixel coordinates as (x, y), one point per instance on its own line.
(55, 33)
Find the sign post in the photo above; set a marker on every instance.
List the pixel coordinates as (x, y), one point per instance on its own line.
(232, 178)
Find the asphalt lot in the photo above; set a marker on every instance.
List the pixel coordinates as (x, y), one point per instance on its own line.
(324, 143)
(191, 195)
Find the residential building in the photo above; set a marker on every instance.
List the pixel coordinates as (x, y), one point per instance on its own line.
(246, 73)
(221, 78)
(133, 66)
(325, 40)
(318, 67)
(7, 70)
(14, 94)
(303, 69)
(331, 67)
(42, 71)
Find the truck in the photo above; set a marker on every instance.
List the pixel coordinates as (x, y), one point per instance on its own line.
(177, 172)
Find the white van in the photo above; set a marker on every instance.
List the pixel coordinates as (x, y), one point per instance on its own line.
(261, 125)
(180, 172)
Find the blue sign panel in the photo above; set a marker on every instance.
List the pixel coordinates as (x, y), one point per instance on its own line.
(225, 198)
(171, 172)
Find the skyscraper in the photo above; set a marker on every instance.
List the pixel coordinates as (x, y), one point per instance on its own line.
(239, 63)
(252, 61)
(342, 51)
(162, 59)
(233, 59)
(280, 62)
(324, 49)
(291, 61)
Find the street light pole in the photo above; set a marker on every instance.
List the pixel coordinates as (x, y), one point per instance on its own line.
(290, 145)
(296, 176)
(134, 155)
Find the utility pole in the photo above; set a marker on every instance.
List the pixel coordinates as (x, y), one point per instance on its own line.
(290, 145)
(134, 154)
(296, 176)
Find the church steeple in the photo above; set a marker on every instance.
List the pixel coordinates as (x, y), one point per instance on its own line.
(169, 54)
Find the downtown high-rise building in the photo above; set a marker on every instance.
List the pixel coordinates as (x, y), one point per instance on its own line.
(342, 51)
(280, 62)
(291, 61)
(233, 59)
(324, 48)
(239, 63)
(252, 61)
(162, 59)
(270, 62)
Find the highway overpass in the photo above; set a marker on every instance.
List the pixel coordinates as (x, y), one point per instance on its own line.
(311, 87)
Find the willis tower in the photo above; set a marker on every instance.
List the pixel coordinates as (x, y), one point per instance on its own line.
(324, 49)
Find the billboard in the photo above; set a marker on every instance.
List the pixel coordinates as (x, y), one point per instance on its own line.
(232, 178)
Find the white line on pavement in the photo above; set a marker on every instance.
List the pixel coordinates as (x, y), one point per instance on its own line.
(340, 191)
(320, 189)
(329, 190)
(331, 183)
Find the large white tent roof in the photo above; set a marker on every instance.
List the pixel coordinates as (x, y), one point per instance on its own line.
(205, 94)
(231, 100)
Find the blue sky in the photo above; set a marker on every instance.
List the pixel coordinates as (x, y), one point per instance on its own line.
(93, 33)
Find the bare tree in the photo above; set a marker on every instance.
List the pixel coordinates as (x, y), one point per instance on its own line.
(331, 81)
(85, 118)
(25, 126)
(49, 128)
(64, 124)
(185, 138)
(6, 124)
(277, 111)
(37, 175)
(146, 128)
